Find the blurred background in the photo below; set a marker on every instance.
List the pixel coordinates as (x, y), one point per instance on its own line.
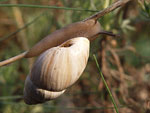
(124, 61)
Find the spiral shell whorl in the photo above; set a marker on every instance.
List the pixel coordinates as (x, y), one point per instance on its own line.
(34, 95)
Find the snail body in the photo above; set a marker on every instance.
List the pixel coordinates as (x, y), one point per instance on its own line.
(88, 28)
(56, 70)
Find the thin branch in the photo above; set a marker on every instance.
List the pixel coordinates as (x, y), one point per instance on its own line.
(112, 7)
(44, 6)
(96, 16)
(13, 59)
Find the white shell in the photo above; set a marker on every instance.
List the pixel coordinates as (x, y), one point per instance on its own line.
(59, 67)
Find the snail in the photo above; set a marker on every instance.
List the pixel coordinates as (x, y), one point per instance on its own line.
(55, 70)
(88, 28)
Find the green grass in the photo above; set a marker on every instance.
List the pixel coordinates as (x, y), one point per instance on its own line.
(101, 74)
(45, 6)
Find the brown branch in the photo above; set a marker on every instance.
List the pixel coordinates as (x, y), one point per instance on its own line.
(112, 7)
(96, 16)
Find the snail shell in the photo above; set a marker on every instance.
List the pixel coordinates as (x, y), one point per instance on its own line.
(55, 70)
(34, 95)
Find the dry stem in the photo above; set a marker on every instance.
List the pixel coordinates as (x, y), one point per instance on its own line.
(112, 7)
(13, 59)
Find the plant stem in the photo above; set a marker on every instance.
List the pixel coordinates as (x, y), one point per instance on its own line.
(13, 59)
(105, 11)
(44, 6)
(101, 74)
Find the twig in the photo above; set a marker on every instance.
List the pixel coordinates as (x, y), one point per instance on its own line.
(13, 59)
(112, 7)
(22, 55)
(96, 16)
(44, 6)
